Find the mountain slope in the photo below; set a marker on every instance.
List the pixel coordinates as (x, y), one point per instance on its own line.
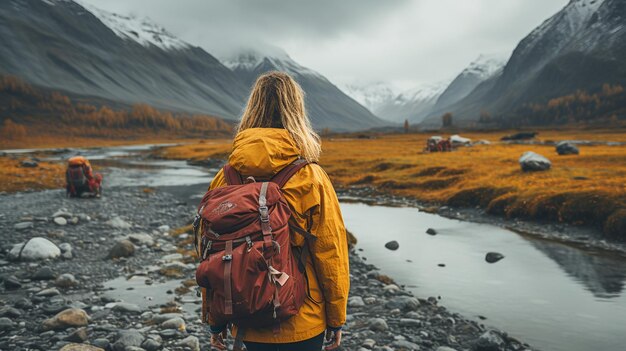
(479, 70)
(60, 44)
(327, 106)
(582, 47)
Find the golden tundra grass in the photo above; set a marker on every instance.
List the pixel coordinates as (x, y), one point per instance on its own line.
(13, 177)
(586, 189)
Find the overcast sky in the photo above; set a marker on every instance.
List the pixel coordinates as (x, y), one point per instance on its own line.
(401, 42)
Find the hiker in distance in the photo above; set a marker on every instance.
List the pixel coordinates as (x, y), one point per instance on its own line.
(270, 234)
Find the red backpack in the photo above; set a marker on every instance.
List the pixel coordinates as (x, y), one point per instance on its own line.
(252, 277)
(76, 179)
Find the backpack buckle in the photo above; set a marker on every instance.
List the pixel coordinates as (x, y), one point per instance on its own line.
(263, 211)
(227, 258)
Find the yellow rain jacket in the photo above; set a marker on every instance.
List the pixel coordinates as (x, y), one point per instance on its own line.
(262, 152)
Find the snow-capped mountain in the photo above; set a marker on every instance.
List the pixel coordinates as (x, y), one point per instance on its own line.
(327, 106)
(370, 95)
(93, 54)
(581, 47)
(412, 105)
(479, 70)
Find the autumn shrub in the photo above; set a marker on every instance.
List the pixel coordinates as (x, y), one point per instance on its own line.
(500, 205)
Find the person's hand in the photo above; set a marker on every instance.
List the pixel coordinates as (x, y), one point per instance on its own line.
(333, 339)
(217, 340)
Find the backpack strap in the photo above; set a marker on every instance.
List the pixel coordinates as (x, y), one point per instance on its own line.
(232, 176)
(281, 178)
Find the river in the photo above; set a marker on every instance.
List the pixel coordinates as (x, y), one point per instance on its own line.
(551, 295)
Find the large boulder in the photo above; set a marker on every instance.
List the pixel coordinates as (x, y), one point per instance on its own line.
(530, 161)
(458, 140)
(566, 148)
(35, 249)
(72, 317)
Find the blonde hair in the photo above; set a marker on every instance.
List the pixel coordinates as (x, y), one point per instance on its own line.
(277, 101)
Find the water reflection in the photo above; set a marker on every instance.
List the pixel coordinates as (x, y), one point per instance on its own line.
(603, 276)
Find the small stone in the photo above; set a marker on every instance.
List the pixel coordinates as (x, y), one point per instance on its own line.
(66, 250)
(126, 308)
(60, 220)
(356, 301)
(127, 339)
(174, 323)
(79, 335)
(48, 292)
(29, 164)
(103, 343)
(368, 343)
(392, 245)
(378, 324)
(408, 322)
(151, 345)
(431, 231)
(66, 281)
(191, 342)
(73, 221)
(62, 213)
(123, 248)
(566, 148)
(10, 312)
(44, 273)
(444, 348)
(141, 239)
(405, 345)
(23, 225)
(81, 347)
(164, 228)
(493, 257)
(72, 317)
(117, 222)
(6, 324)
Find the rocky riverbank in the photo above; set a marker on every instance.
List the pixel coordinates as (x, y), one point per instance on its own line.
(109, 275)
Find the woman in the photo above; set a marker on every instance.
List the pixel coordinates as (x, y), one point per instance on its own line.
(275, 131)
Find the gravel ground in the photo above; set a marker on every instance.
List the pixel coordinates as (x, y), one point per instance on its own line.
(66, 302)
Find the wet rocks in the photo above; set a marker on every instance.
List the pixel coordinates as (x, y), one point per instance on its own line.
(6, 324)
(566, 148)
(532, 162)
(37, 248)
(431, 231)
(72, 317)
(151, 345)
(48, 292)
(403, 303)
(392, 245)
(11, 283)
(489, 341)
(123, 248)
(493, 257)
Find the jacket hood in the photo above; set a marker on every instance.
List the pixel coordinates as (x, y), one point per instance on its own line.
(262, 152)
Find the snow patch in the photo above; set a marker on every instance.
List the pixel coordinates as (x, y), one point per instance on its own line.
(140, 30)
